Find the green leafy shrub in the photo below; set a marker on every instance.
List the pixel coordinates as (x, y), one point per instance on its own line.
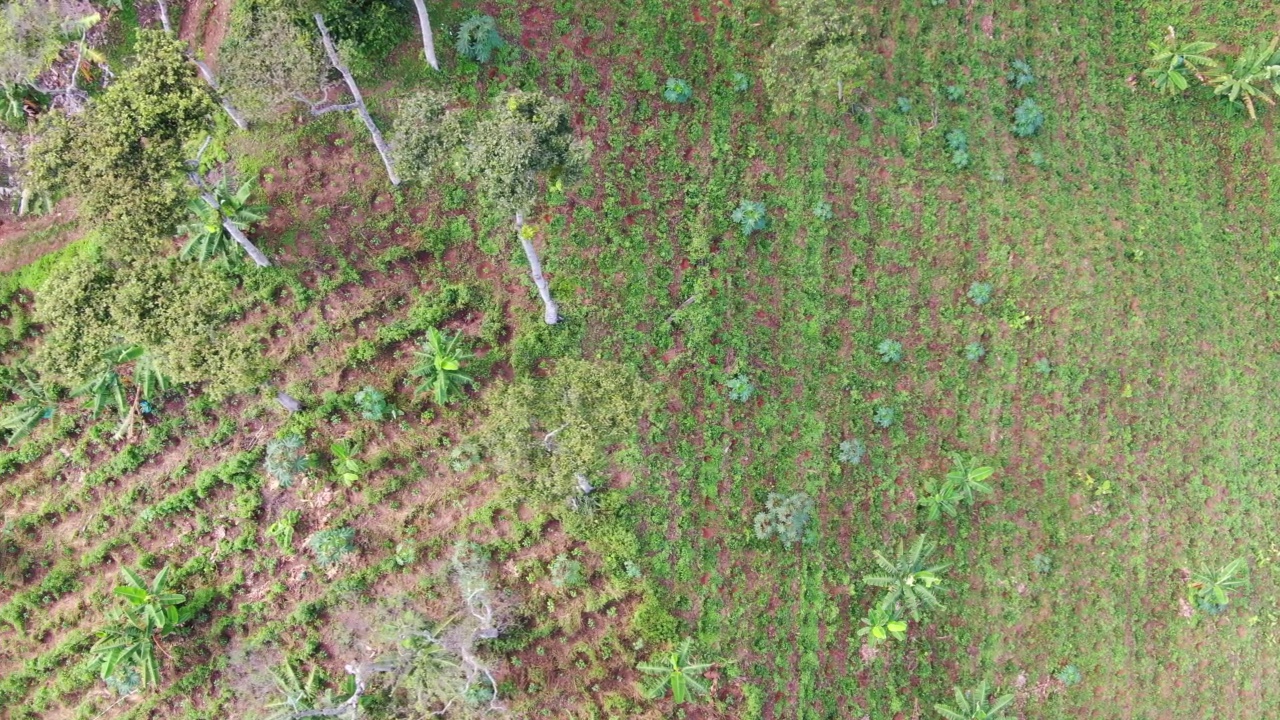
(890, 351)
(677, 91)
(958, 143)
(1042, 563)
(881, 623)
(751, 216)
(567, 573)
(1028, 118)
(372, 404)
(478, 37)
(1043, 366)
(281, 531)
(1069, 675)
(330, 546)
(980, 293)
(903, 105)
(740, 388)
(1020, 75)
(345, 464)
(822, 210)
(285, 459)
(1209, 588)
(954, 93)
(939, 499)
(975, 351)
(653, 622)
(968, 478)
(128, 645)
(884, 416)
(785, 516)
(851, 451)
(740, 82)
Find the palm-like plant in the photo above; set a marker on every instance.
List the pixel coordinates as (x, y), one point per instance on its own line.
(108, 387)
(909, 579)
(151, 611)
(881, 623)
(677, 672)
(439, 363)
(297, 696)
(1245, 77)
(940, 499)
(1172, 62)
(974, 705)
(1209, 588)
(35, 402)
(208, 235)
(967, 478)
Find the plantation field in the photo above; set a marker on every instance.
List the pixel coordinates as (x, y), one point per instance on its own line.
(1118, 380)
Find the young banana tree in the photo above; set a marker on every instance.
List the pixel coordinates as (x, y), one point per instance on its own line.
(909, 578)
(1209, 588)
(975, 705)
(677, 672)
(439, 364)
(35, 403)
(967, 478)
(219, 218)
(881, 623)
(108, 387)
(1246, 78)
(151, 611)
(1172, 62)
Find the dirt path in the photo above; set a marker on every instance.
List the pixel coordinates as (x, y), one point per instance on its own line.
(204, 24)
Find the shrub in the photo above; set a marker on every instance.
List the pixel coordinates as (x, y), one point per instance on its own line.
(740, 82)
(785, 516)
(1209, 588)
(751, 215)
(939, 499)
(822, 210)
(285, 459)
(677, 91)
(882, 623)
(1069, 675)
(975, 705)
(903, 105)
(975, 351)
(345, 464)
(958, 143)
(1020, 75)
(478, 37)
(851, 451)
(954, 93)
(890, 351)
(372, 404)
(281, 531)
(653, 622)
(1028, 118)
(980, 293)
(740, 388)
(331, 546)
(884, 416)
(567, 573)
(1042, 563)
(1043, 366)
(909, 578)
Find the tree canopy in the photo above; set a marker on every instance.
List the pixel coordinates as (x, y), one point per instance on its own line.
(30, 39)
(424, 135)
(815, 56)
(268, 60)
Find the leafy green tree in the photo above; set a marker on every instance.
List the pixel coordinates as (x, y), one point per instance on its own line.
(268, 60)
(968, 477)
(424, 135)
(1247, 78)
(108, 387)
(151, 611)
(1209, 587)
(217, 215)
(882, 623)
(909, 579)
(816, 55)
(439, 365)
(675, 670)
(124, 155)
(36, 401)
(545, 432)
(525, 136)
(31, 38)
(296, 697)
(975, 705)
(1173, 62)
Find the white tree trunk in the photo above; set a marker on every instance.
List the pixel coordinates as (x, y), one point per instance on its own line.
(361, 108)
(237, 234)
(552, 315)
(428, 42)
(207, 74)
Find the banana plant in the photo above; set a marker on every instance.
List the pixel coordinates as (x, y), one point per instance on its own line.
(439, 364)
(151, 611)
(35, 403)
(107, 387)
(940, 499)
(882, 623)
(967, 479)
(1209, 588)
(909, 578)
(345, 463)
(218, 217)
(1247, 76)
(677, 672)
(975, 705)
(1172, 62)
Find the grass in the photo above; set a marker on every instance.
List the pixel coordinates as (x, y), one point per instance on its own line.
(1143, 451)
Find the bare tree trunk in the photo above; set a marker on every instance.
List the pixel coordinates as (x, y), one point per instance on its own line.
(552, 315)
(243, 241)
(361, 108)
(428, 42)
(207, 74)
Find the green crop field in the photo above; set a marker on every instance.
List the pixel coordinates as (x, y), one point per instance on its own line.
(996, 245)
